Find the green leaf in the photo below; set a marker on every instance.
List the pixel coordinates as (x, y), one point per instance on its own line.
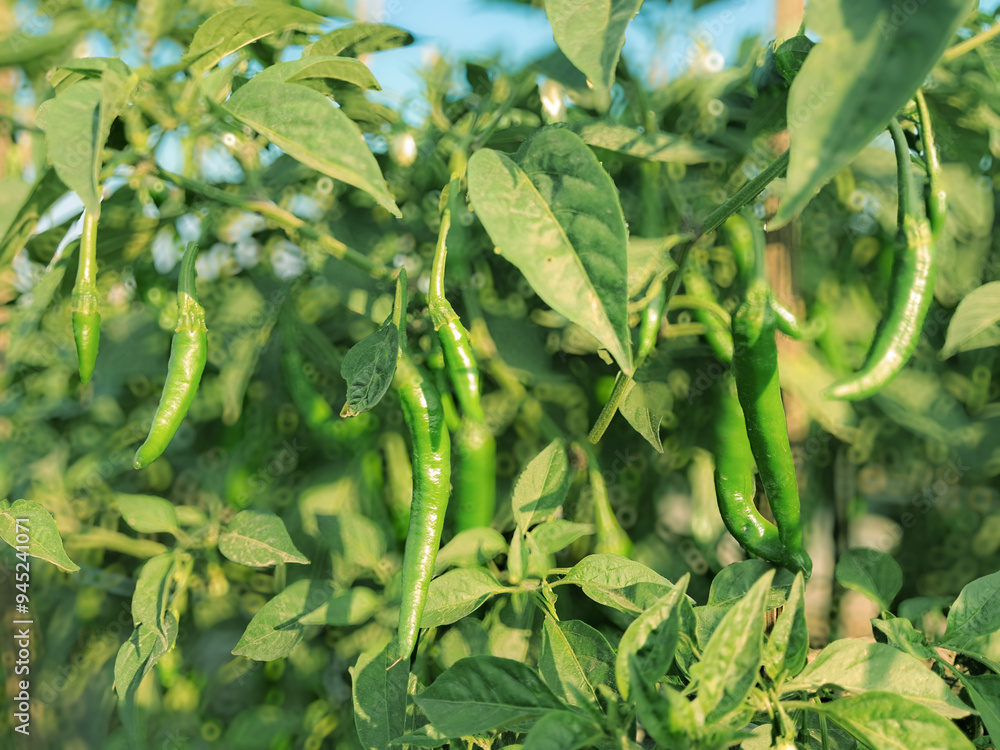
(656, 147)
(44, 541)
(274, 630)
(46, 190)
(319, 67)
(666, 714)
(871, 60)
(591, 34)
(569, 240)
(864, 667)
(648, 645)
(645, 406)
(974, 621)
(152, 593)
(973, 326)
(734, 581)
(147, 514)
(729, 665)
(258, 538)
(553, 536)
(76, 125)
(872, 573)
(359, 39)
(900, 633)
(480, 693)
(618, 582)
(985, 693)
(308, 127)
(574, 659)
(352, 607)
(233, 28)
(470, 548)
(787, 648)
(356, 542)
(888, 722)
(542, 485)
(378, 688)
(456, 594)
(368, 369)
(135, 659)
(562, 730)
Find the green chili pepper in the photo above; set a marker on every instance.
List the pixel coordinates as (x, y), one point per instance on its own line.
(735, 485)
(789, 324)
(935, 196)
(913, 291)
(315, 410)
(86, 307)
(716, 331)
(187, 362)
(475, 446)
(649, 327)
(611, 538)
(740, 237)
(431, 483)
(755, 369)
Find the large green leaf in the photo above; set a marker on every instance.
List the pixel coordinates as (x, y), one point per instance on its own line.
(233, 28)
(885, 721)
(648, 645)
(863, 667)
(368, 368)
(480, 693)
(76, 125)
(974, 324)
(307, 126)
(258, 538)
(456, 594)
(147, 514)
(872, 57)
(470, 548)
(359, 39)
(275, 629)
(378, 687)
(37, 523)
(48, 188)
(667, 715)
(554, 213)
(985, 693)
(618, 582)
(542, 486)
(731, 660)
(352, 607)
(152, 593)
(787, 648)
(135, 658)
(872, 573)
(321, 66)
(974, 621)
(574, 659)
(562, 730)
(591, 34)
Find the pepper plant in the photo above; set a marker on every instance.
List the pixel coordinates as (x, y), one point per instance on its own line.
(591, 410)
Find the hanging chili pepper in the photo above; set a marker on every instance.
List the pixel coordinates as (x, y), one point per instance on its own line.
(86, 307)
(187, 362)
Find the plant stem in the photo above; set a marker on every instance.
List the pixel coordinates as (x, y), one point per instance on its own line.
(745, 194)
(904, 172)
(936, 199)
(288, 221)
(970, 44)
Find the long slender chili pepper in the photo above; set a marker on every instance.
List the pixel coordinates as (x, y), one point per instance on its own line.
(188, 352)
(86, 308)
(431, 483)
(913, 291)
(735, 485)
(935, 196)
(755, 369)
(475, 446)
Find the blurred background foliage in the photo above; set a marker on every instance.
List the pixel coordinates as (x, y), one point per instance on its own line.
(912, 471)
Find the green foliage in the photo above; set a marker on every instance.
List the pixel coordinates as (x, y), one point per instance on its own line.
(240, 588)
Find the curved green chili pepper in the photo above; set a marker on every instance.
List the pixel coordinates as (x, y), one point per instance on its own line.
(716, 332)
(187, 362)
(755, 368)
(86, 306)
(913, 291)
(935, 196)
(475, 446)
(739, 235)
(649, 327)
(735, 485)
(315, 410)
(789, 324)
(431, 483)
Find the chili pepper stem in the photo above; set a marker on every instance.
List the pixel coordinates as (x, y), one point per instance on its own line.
(936, 198)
